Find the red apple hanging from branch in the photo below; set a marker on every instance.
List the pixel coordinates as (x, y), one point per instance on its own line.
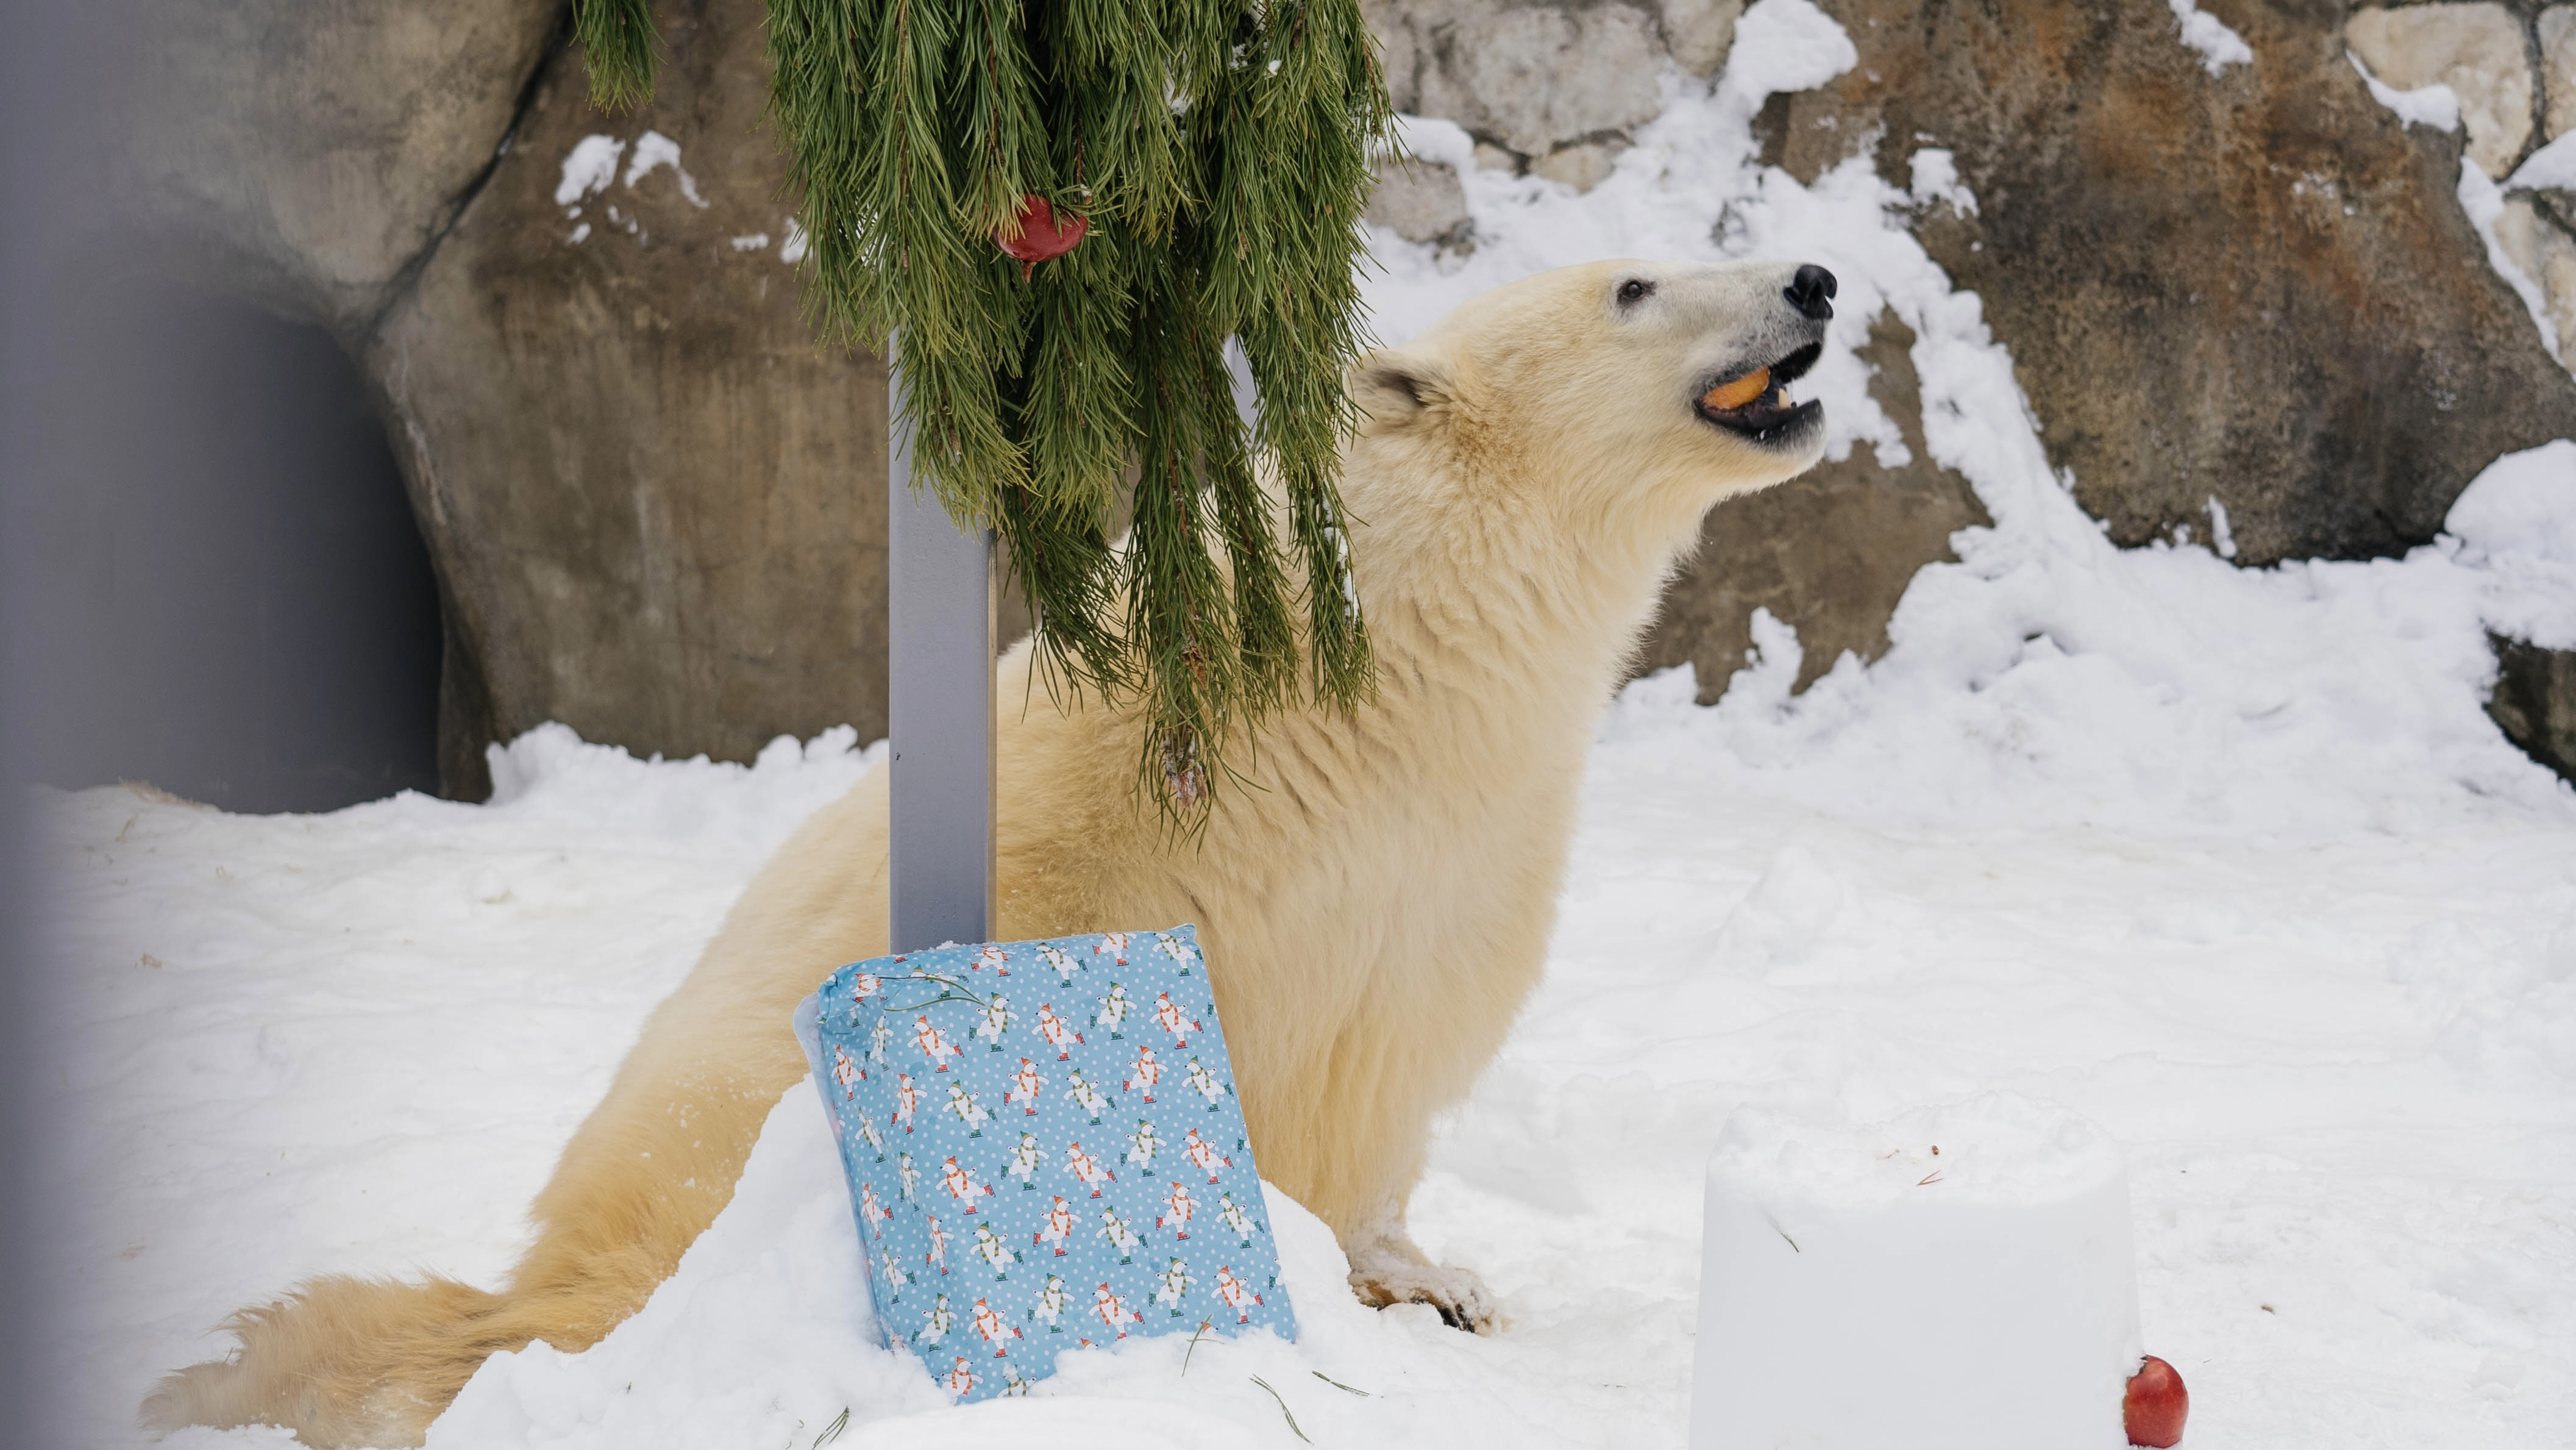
(1044, 236)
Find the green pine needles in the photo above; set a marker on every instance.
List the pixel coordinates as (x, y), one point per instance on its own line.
(1219, 150)
(617, 43)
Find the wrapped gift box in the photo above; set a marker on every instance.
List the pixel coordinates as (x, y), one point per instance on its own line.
(1044, 1151)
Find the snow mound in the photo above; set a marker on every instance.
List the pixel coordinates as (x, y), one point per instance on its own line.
(2517, 520)
(764, 1338)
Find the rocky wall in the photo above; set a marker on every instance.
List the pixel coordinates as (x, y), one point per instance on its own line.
(658, 508)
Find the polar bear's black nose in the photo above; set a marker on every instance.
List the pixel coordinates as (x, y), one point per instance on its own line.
(1811, 292)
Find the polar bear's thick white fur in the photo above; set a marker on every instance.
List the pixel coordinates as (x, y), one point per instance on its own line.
(1375, 901)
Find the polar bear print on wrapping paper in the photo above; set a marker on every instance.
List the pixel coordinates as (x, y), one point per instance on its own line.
(1079, 1091)
(1113, 945)
(934, 1044)
(990, 1328)
(1102, 1202)
(935, 1322)
(1168, 1016)
(1051, 1303)
(968, 1111)
(1205, 1084)
(1026, 1085)
(1086, 1168)
(1236, 1221)
(990, 1248)
(1113, 1312)
(995, 1020)
(1054, 956)
(961, 1185)
(1178, 1209)
(1056, 1034)
(1141, 1144)
(1113, 1011)
(1203, 1155)
(1055, 1228)
(1237, 1294)
(1024, 1162)
(1114, 1228)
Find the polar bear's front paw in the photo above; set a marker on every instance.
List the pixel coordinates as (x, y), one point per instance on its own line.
(1394, 1277)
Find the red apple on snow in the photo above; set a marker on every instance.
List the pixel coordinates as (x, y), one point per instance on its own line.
(1044, 236)
(2156, 1405)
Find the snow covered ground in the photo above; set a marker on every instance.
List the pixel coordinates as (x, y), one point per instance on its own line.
(2229, 861)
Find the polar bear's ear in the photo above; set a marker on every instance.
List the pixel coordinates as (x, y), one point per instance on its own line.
(1396, 389)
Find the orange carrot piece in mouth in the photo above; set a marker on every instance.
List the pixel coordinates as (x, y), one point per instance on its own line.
(1727, 397)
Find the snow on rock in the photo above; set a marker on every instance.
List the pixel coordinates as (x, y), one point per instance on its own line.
(2553, 165)
(588, 167)
(2435, 105)
(2476, 48)
(2519, 529)
(1959, 1279)
(654, 150)
(2219, 46)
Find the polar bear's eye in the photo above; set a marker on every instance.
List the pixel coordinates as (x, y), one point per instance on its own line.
(1634, 291)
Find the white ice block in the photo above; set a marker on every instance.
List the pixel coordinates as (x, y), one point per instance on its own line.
(1863, 1291)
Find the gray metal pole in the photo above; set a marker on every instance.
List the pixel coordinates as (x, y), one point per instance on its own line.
(939, 706)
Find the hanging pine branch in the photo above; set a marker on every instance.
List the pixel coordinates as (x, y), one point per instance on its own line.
(617, 45)
(1206, 163)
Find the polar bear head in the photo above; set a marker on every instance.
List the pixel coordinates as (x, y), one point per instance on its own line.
(1646, 390)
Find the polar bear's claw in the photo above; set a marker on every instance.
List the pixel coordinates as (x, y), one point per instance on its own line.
(1393, 1276)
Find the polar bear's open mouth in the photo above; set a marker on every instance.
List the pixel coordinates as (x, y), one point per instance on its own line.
(1756, 404)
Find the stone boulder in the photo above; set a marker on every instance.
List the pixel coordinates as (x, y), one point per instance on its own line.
(301, 154)
(1533, 81)
(1423, 201)
(2555, 29)
(2476, 49)
(2214, 287)
(2535, 701)
(2256, 287)
(658, 506)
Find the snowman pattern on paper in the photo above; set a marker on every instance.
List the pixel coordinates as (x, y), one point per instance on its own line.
(1043, 1157)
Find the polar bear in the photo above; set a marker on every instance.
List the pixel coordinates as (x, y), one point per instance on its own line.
(1375, 901)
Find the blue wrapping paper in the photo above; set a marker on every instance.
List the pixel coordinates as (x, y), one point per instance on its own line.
(1044, 1151)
